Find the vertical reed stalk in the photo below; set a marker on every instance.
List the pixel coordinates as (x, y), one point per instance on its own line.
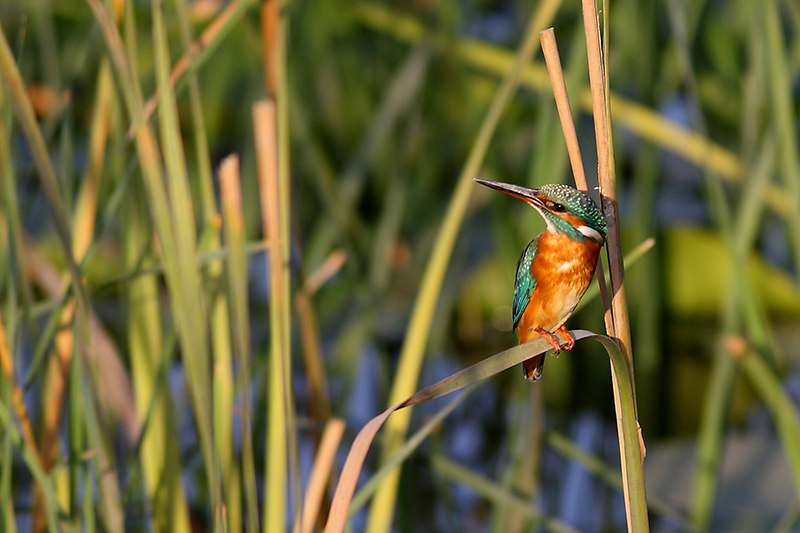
(318, 480)
(278, 425)
(275, 31)
(631, 459)
(553, 61)
(159, 452)
(191, 309)
(782, 112)
(233, 223)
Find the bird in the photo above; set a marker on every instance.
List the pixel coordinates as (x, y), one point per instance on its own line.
(556, 267)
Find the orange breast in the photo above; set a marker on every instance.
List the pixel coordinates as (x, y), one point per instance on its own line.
(563, 269)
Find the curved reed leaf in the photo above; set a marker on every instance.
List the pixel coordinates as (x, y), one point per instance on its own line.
(318, 481)
(366, 492)
(476, 373)
(358, 451)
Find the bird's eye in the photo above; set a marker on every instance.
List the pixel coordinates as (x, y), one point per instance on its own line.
(557, 208)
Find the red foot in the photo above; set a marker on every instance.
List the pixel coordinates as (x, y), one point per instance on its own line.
(567, 336)
(550, 337)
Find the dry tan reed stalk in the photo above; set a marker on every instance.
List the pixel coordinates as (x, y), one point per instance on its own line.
(270, 21)
(266, 137)
(231, 191)
(233, 221)
(553, 61)
(606, 178)
(319, 404)
(632, 474)
(329, 268)
(320, 473)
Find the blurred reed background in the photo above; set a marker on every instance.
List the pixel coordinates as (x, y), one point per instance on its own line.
(218, 219)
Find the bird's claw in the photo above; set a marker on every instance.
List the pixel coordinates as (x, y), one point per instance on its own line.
(552, 338)
(567, 336)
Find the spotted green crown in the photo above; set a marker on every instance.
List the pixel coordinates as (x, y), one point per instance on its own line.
(576, 203)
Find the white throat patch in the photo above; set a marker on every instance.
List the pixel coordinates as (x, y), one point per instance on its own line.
(591, 233)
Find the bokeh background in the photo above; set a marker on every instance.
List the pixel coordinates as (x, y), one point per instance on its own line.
(379, 110)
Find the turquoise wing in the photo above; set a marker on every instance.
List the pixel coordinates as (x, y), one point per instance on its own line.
(525, 283)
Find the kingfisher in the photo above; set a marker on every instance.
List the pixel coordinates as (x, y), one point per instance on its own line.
(556, 267)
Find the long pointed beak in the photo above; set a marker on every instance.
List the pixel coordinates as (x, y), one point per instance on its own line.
(523, 193)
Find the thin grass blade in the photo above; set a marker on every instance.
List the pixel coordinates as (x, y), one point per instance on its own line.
(188, 306)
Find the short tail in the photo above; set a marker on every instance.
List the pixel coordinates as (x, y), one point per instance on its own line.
(532, 368)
